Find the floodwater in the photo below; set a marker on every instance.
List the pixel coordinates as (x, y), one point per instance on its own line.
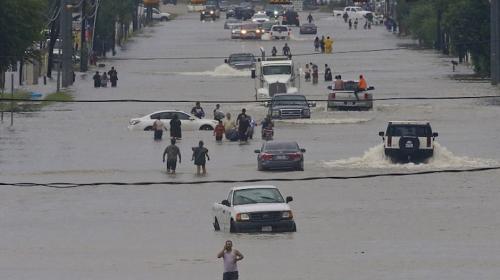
(436, 226)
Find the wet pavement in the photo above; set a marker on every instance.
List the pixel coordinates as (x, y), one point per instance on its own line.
(441, 226)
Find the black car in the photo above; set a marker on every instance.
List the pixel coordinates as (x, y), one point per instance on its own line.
(280, 155)
(210, 12)
(291, 18)
(241, 60)
(238, 12)
(289, 106)
(308, 28)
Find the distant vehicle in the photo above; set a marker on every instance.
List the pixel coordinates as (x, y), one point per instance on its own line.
(254, 209)
(210, 12)
(280, 32)
(266, 26)
(350, 98)
(241, 12)
(158, 15)
(408, 140)
(280, 155)
(241, 60)
(188, 121)
(236, 32)
(260, 18)
(223, 5)
(251, 31)
(275, 11)
(308, 28)
(173, 2)
(289, 106)
(352, 12)
(291, 17)
(231, 23)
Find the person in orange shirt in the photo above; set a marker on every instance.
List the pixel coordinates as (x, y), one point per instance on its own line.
(219, 131)
(362, 85)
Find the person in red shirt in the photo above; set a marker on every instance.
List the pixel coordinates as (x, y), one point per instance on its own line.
(219, 131)
(362, 83)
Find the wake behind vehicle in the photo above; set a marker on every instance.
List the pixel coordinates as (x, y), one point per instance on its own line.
(241, 60)
(408, 140)
(254, 209)
(188, 121)
(289, 106)
(350, 98)
(280, 155)
(273, 75)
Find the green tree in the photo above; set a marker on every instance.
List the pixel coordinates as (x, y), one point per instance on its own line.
(422, 22)
(21, 24)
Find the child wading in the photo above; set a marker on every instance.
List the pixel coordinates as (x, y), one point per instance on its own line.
(219, 131)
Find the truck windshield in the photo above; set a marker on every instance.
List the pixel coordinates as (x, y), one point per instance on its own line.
(409, 130)
(277, 70)
(250, 196)
(289, 100)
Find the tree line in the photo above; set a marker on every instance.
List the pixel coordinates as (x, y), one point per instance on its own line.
(456, 27)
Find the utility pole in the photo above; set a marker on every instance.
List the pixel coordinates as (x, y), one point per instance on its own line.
(67, 43)
(83, 44)
(495, 44)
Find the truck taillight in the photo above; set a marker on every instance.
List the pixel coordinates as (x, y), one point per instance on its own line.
(288, 33)
(389, 141)
(332, 95)
(428, 141)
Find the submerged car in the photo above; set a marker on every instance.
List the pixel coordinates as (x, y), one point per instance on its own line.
(188, 121)
(254, 209)
(408, 140)
(289, 106)
(308, 28)
(241, 60)
(280, 155)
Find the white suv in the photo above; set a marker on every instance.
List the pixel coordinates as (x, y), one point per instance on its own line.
(408, 140)
(280, 32)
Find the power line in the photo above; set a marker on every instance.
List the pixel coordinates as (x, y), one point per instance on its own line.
(67, 185)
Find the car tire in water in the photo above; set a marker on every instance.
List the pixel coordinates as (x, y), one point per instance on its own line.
(300, 167)
(260, 167)
(232, 227)
(148, 128)
(206, 127)
(216, 225)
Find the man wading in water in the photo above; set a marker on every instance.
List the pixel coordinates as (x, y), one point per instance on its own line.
(231, 257)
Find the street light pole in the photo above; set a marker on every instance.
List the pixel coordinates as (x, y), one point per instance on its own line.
(67, 43)
(83, 44)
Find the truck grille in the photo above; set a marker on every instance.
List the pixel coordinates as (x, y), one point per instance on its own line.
(291, 113)
(275, 88)
(265, 216)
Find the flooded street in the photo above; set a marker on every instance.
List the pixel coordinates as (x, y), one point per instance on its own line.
(435, 226)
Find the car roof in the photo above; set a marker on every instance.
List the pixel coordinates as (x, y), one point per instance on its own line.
(276, 62)
(242, 54)
(165, 111)
(410, 122)
(281, 142)
(253, 187)
(288, 94)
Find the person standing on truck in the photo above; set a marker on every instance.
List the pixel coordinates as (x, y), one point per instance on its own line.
(362, 85)
(231, 257)
(339, 83)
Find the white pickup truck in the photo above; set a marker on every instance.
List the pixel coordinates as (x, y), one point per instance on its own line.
(254, 209)
(350, 97)
(352, 12)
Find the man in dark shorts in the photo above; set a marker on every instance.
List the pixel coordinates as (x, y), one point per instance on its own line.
(172, 153)
(231, 257)
(200, 155)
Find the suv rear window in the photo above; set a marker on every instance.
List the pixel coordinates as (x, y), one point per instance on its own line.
(409, 130)
(280, 28)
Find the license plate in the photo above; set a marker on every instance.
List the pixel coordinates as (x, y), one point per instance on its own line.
(267, 228)
(409, 144)
(281, 157)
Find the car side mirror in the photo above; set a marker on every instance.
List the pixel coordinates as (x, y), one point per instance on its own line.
(312, 104)
(329, 87)
(225, 60)
(266, 104)
(381, 134)
(225, 202)
(435, 134)
(257, 151)
(289, 199)
(253, 74)
(370, 88)
(303, 150)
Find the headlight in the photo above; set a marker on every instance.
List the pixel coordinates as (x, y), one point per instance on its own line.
(257, 31)
(203, 12)
(275, 12)
(134, 122)
(242, 217)
(287, 215)
(276, 113)
(211, 12)
(243, 32)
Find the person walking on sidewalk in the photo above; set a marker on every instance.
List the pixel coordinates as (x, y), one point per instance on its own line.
(230, 257)
(172, 152)
(104, 80)
(113, 76)
(97, 80)
(200, 156)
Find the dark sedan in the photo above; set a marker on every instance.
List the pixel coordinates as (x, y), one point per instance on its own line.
(241, 60)
(280, 155)
(308, 28)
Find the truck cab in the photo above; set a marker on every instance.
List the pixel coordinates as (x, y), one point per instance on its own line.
(274, 75)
